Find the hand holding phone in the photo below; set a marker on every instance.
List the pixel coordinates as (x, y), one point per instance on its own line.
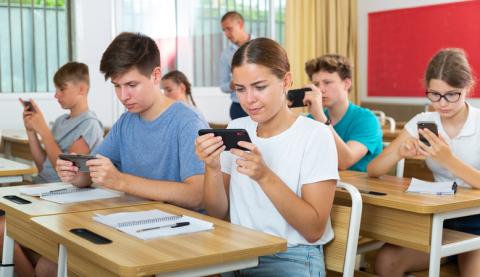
(78, 160)
(28, 105)
(295, 96)
(430, 125)
(230, 137)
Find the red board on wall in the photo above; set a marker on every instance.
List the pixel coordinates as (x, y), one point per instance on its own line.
(401, 43)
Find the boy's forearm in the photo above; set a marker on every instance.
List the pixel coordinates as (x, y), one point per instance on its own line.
(177, 193)
(38, 154)
(51, 147)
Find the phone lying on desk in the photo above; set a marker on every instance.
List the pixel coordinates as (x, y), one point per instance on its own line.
(430, 125)
(28, 104)
(78, 160)
(295, 96)
(230, 137)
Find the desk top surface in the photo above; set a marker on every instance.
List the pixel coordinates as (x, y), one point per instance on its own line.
(13, 168)
(127, 255)
(14, 135)
(397, 198)
(40, 207)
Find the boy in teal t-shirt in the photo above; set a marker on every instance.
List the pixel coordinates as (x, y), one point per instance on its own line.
(357, 132)
(360, 125)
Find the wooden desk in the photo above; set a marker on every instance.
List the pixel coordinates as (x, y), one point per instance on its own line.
(227, 247)
(12, 171)
(18, 218)
(414, 220)
(390, 136)
(15, 144)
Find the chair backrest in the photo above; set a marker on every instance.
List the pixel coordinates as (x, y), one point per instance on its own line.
(341, 252)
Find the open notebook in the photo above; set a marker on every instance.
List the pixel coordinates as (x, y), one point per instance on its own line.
(437, 188)
(65, 193)
(153, 223)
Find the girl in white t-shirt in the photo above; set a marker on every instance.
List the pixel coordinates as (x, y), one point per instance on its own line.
(285, 184)
(454, 155)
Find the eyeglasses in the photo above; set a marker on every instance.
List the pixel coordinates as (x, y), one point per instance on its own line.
(450, 97)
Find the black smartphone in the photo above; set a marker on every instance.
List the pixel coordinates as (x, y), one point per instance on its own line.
(230, 137)
(90, 236)
(28, 104)
(295, 96)
(16, 199)
(78, 160)
(430, 125)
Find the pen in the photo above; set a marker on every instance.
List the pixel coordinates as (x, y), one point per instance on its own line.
(173, 225)
(56, 190)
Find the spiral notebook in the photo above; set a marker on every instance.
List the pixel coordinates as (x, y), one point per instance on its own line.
(153, 223)
(64, 193)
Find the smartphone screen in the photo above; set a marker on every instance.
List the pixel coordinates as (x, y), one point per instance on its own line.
(430, 125)
(230, 137)
(295, 96)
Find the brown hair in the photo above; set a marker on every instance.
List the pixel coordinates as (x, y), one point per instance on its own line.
(451, 66)
(330, 63)
(71, 71)
(179, 78)
(232, 15)
(265, 52)
(128, 51)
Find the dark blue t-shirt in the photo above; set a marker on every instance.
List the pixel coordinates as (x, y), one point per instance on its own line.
(162, 149)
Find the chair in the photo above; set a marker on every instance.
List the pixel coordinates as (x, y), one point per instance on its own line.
(341, 252)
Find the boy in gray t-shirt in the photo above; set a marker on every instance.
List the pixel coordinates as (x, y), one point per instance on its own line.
(79, 131)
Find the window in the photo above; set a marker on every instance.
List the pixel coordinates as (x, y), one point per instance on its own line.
(34, 43)
(188, 32)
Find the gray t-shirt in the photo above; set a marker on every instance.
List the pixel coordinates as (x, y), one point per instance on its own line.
(66, 131)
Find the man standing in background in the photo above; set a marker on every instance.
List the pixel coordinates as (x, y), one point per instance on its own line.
(233, 26)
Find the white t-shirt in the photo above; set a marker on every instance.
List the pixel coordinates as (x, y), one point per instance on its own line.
(304, 153)
(465, 146)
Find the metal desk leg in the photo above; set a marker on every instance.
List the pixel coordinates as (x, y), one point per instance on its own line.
(62, 261)
(7, 254)
(436, 246)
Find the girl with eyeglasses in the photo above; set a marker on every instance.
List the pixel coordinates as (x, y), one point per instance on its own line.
(453, 155)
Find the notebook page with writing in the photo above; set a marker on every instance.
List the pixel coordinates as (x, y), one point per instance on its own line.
(153, 223)
(438, 188)
(37, 190)
(74, 195)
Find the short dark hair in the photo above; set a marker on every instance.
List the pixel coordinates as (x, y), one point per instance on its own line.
(232, 15)
(451, 66)
(265, 52)
(71, 71)
(330, 63)
(127, 51)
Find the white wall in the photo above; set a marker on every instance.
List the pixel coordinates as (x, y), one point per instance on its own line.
(94, 23)
(368, 6)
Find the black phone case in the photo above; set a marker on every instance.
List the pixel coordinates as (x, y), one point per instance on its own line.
(90, 236)
(29, 106)
(17, 199)
(77, 160)
(296, 97)
(230, 137)
(432, 126)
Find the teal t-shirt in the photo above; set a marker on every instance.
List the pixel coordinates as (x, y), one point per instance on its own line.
(361, 125)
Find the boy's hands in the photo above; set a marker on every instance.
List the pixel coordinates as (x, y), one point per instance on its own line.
(34, 121)
(103, 172)
(66, 170)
